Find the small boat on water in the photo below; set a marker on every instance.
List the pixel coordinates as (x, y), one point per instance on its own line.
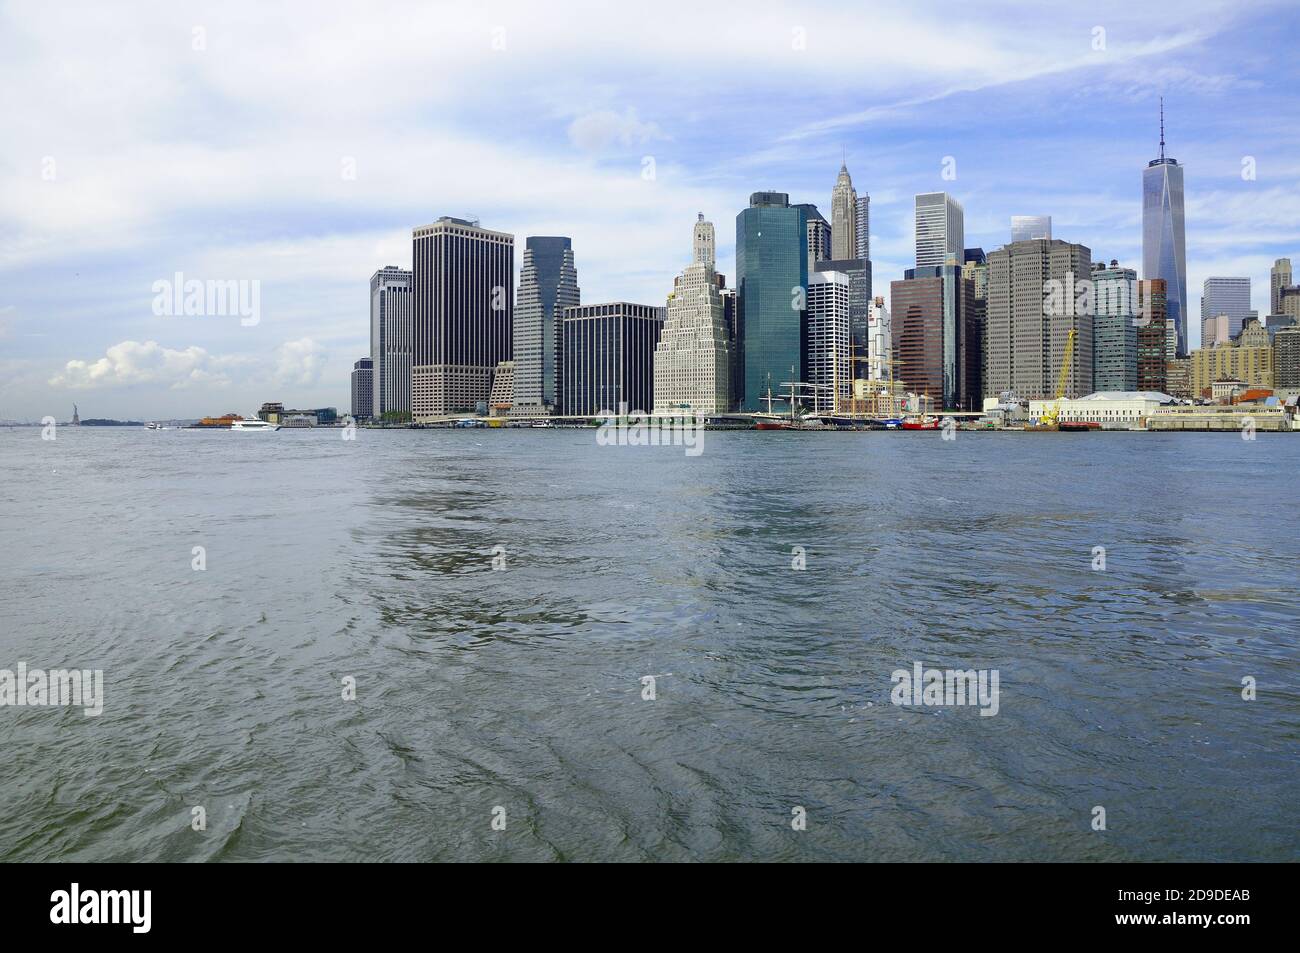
(927, 422)
(253, 425)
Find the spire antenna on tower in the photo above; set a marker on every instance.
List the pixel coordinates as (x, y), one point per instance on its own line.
(1162, 127)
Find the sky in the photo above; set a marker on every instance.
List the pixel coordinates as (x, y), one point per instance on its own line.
(292, 148)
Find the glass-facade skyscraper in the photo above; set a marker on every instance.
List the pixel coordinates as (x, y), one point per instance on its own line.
(1230, 296)
(771, 282)
(1114, 328)
(609, 358)
(391, 307)
(548, 283)
(1163, 247)
(940, 230)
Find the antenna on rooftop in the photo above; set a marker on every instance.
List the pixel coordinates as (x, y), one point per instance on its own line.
(1162, 127)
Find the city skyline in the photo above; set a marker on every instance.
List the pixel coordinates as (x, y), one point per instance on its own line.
(224, 202)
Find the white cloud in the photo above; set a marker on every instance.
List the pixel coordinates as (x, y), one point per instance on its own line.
(599, 130)
(148, 362)
(299, 363)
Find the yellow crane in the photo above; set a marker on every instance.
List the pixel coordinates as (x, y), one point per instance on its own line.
(1050, 416)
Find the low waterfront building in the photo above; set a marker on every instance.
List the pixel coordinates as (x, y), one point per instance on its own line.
(1112, 410)
(272, 412)
(1269, 416)
(501, 399)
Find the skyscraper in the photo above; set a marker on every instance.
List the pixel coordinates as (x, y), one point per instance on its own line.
(1279, 278)
(844, 217)
(862, 248)
(1036, 297)
(879, 341)
(1028, 227)
(390, 341)
(1286, 357)
(1152, 335)
(976, 270)
(940, 230)
(464, 279)
(829, 367)
(858, 271)
(692, 361)
(548, 283)
(1224, 296)
(609, 357)
(771, 279)
(931, 327)
(362, 386)
(1163, 248)
(819, 235)
(1114, 328)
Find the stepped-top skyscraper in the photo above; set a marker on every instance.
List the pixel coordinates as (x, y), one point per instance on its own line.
(692, 364)
(548, 283)
(940, 230)
(1163, 247)
(844, 217)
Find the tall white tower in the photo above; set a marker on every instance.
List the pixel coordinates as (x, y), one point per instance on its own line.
(693, 357)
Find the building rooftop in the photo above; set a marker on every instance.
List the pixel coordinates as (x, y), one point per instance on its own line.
(1154, 395)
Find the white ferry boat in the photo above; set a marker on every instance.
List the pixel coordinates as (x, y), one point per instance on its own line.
(252, 424)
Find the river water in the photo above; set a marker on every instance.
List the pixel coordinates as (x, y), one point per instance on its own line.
(519, 695)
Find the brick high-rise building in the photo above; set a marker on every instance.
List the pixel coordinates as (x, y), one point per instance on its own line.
(1153, 318)
(932, 326)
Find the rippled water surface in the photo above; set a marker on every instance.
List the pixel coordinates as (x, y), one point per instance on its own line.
(522, 688)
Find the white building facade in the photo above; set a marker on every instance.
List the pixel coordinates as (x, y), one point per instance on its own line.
(880, 339)
(829, 366)
(692, 361)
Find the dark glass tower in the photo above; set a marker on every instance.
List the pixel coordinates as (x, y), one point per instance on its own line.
(771, 282)
(462, 320)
